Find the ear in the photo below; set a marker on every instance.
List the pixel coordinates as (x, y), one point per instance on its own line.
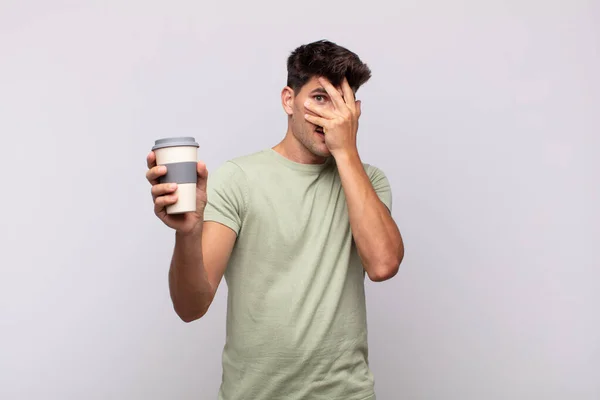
(358, 109)
(287, 100)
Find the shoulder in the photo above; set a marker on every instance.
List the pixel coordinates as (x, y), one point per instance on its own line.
(250, 160)
(374, 172)
(378, 178)
(380, 183)
(241, 164)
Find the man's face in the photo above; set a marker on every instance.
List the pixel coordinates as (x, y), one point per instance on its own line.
(310, 135)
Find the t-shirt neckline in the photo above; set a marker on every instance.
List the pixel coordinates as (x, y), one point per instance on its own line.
(299, 166)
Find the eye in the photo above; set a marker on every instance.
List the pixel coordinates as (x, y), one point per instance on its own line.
(319, 98)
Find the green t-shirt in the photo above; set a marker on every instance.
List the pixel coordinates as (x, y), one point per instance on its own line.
(296, 315)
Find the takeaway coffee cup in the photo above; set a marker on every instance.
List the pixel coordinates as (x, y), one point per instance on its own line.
(180, 156)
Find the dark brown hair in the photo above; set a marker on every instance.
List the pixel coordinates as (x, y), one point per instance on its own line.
(327, 59)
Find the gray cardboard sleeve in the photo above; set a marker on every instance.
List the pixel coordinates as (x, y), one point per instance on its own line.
(180, 173)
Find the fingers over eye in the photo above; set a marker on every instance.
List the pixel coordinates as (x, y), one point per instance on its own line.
(319, 110)
(348, 94)
(335, 95)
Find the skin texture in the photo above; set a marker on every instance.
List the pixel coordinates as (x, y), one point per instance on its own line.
(202, 249)
(301, 143)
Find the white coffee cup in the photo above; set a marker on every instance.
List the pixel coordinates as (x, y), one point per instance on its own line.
(180, 156)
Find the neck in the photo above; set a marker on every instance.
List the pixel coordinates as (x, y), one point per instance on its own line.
(292, 149)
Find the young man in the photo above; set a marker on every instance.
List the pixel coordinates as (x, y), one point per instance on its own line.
(293, 229)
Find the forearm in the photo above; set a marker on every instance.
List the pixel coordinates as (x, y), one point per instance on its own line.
(191, 291)
(375, 233)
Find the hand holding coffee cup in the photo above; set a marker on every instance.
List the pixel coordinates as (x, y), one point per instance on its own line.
(178, 182)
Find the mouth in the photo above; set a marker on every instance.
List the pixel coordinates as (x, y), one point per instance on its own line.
(319, 130)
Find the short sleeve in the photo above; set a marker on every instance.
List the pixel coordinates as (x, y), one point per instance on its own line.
(226, 191)
(381, 185)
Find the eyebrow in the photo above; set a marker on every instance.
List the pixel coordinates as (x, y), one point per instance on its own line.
(319, 90)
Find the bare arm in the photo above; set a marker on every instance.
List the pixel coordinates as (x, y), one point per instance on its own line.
(202, 249)
(377, 236)
(197, 267)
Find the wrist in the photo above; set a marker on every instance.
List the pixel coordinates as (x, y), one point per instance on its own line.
(192, 234)
(345, 156)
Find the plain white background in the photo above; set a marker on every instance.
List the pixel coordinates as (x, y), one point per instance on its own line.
(484, 115)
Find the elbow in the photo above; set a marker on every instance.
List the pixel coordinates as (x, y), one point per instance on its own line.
(383, 273)
(190, 307)
(188, 316)
(387, 269)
